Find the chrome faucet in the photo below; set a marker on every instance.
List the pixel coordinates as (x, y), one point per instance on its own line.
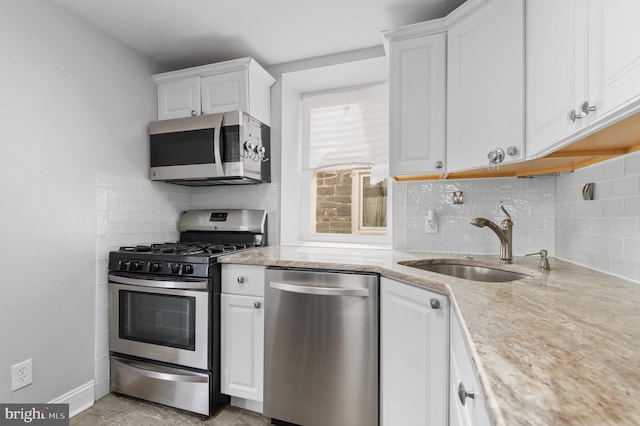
(504, 233)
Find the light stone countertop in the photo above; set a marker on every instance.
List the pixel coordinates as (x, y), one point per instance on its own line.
(560, 348)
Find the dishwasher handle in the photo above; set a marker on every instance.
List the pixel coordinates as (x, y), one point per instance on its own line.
(321, 291)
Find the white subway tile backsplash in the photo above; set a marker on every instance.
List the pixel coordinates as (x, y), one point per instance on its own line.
(531, 203)
(613, 169)
(632, 164)
(625, 268)
(632, 206)
(602, 233)
(625, 187)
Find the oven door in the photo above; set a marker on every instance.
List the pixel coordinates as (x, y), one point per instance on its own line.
(160, 320)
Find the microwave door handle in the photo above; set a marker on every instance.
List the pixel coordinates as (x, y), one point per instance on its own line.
(217, 135)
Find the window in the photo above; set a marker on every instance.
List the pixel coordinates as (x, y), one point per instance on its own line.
(345, 160)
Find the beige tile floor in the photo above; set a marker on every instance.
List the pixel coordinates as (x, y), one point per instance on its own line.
(121, 410)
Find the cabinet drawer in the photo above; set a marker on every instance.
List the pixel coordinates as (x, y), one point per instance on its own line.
(246, 280)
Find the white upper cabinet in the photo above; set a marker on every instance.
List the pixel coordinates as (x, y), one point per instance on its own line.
(485, 84)
(583, 69)
(241, 84)
(417, 104)
(228, 91)
(614, 57)
(557, 79)
(179, 98)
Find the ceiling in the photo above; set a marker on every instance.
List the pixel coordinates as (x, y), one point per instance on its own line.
(184, 33)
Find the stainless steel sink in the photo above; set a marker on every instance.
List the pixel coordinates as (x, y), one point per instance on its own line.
(461, 268)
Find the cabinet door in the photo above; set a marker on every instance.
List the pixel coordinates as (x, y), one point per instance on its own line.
(417, 103)
(413, 355)
(225, 92)
(178, 99)
(486, 85)
(474, 411)
(614, 55)
(556, 71)
(242, 343)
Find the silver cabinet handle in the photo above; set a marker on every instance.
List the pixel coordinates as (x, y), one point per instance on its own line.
(240, 280)
(463, 394)
(435, 303)
(194, 113)
(257, 305)
(322, 291)
(571, 117)
(439, 164)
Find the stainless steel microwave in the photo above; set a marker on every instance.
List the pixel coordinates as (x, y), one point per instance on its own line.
(213, 149)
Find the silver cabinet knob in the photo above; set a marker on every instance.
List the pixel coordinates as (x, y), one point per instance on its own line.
(439, 164)
(585, 109)
(257, 305)
(512, 150)
(463, 394)
(194, 112)
(435, 303)
(496, 156)
(240, 280)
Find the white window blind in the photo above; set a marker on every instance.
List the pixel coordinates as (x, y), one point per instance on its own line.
(347, 128)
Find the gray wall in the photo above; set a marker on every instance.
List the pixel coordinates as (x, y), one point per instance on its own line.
(73, 103)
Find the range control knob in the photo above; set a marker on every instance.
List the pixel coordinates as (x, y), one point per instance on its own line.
(155, 267)
(175, 268)
(187, 269)
(136, 266)
(123, 265)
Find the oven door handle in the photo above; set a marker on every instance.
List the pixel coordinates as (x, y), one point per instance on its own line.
(167, 377)
(178, 285)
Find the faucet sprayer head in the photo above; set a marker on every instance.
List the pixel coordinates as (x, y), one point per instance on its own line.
(480, 222)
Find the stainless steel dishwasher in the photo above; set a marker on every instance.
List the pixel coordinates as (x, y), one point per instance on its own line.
(321, 348)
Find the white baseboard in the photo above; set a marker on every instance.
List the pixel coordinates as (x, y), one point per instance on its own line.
(79, 399)
(247, 404)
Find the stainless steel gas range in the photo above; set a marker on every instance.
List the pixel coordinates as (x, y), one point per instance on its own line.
(165, 310)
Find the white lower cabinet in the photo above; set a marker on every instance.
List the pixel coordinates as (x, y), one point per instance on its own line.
(242, 334)
(413, 355)
(467, 405)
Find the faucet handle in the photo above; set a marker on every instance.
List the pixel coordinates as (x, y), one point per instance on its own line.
(544, 262)
(504, 210)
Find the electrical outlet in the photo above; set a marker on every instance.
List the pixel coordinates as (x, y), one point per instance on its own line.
(21, 375)
(430, 226)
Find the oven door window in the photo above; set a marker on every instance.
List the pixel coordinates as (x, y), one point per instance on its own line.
(160, 319)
